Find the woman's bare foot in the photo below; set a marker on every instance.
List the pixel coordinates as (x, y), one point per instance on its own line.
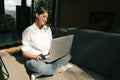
(64, 68)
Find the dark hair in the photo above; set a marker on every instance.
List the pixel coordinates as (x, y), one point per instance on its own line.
(41, 10)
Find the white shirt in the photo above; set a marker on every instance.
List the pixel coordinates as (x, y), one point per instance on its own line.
(36, 41)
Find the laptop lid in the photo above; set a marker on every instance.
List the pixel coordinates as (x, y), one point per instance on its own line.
(60, 47)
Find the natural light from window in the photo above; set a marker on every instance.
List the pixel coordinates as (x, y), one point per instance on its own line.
(10, 6)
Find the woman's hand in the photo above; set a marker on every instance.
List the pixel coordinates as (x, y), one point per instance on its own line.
(32, 56)
(40, 57)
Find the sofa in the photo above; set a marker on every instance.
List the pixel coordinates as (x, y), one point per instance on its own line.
(97, 53)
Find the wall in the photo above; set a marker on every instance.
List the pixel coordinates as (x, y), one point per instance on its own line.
(76, 13)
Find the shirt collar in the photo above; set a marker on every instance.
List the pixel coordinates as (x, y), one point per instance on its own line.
(44, 27)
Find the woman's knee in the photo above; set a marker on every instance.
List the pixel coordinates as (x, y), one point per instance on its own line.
(35, 66)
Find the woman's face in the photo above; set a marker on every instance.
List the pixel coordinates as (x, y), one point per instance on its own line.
(41, 19)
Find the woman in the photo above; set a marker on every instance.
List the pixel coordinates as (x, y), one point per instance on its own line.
(36, 41)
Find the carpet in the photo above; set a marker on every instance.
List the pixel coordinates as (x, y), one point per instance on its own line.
(14, 63)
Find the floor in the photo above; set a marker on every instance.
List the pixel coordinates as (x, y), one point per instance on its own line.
(17, 71)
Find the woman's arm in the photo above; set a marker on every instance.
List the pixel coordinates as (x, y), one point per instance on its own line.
(31, 56)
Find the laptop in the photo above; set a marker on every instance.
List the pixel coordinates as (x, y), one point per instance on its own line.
(60, 47)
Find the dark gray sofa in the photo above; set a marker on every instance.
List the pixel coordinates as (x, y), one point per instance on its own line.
(97, 53)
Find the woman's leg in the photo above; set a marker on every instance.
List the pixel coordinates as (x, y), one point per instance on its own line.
(47, 68)
(41, 67)
(62, 61)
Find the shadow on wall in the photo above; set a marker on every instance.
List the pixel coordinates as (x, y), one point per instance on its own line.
(101, 20)
(116, 27)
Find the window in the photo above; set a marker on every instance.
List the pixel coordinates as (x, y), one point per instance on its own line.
(10, 6)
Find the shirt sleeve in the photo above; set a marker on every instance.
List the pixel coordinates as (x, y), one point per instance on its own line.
(25, 40)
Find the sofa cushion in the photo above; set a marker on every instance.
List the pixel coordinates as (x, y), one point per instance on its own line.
(95, 50)
(116, 73)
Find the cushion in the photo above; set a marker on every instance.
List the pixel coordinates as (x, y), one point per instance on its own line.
(96, 50)
(116, 73)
